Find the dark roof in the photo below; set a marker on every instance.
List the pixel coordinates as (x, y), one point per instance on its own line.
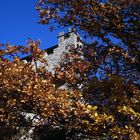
(28, 58)
(48, 50)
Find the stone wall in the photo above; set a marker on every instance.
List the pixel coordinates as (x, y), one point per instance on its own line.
(64, 41)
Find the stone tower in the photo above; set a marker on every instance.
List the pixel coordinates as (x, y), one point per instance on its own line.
(71, 38)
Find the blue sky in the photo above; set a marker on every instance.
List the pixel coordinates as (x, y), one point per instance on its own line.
(18, 22)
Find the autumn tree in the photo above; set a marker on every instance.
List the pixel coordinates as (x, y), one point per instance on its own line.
(26, 88)
(101, 101)
(104, 21)
(112, 59)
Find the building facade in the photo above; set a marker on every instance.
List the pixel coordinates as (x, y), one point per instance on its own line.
(54, 54)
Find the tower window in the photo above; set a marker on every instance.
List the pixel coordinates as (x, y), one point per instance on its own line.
(66, 36)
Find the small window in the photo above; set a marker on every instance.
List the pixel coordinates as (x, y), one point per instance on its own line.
(66, 36)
